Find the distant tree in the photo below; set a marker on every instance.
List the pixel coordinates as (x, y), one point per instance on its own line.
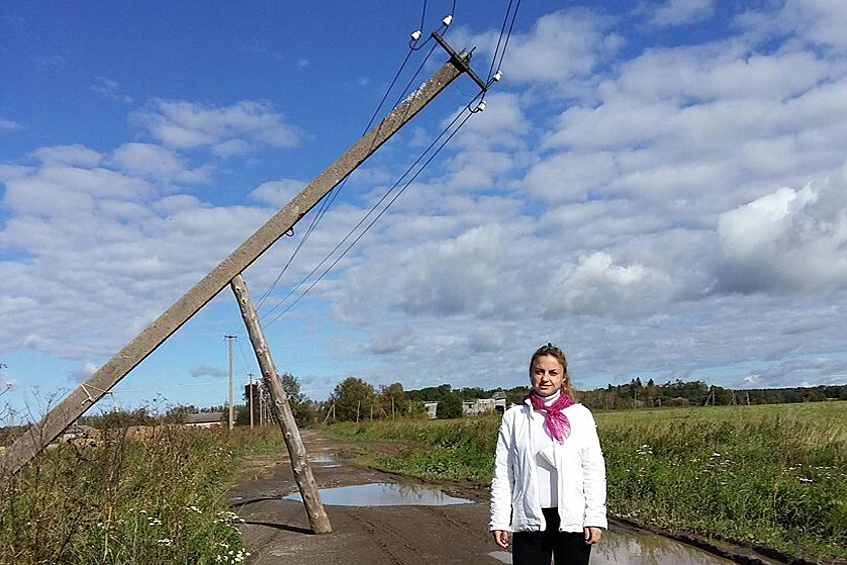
(472, 393)
(449, 407)
(354, 399)
(291, 386)
(515, 395)
(138, 417)
(815, 396)
(304, 410)
(393, 400)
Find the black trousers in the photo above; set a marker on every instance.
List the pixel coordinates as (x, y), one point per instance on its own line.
(536, 548)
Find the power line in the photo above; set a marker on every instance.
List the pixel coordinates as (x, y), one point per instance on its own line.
(378, 216)
(366, 216)
(326, 203)
(505, 43)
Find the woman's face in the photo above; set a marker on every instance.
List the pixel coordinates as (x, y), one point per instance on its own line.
(547, 375)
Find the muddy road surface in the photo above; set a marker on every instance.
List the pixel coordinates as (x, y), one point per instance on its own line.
(389, 525)
(277, 530)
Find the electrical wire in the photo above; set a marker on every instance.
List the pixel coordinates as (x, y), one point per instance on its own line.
(495, 64)
(379, 215)
(366, 216)
(509, 34)
(326, 203)
(499, 40)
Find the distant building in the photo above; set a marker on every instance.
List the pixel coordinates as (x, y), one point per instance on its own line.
(210, 420)
(79, 431)
(483, 405)
(431, 408)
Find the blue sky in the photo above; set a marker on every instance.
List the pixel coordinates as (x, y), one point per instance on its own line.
(657, 187)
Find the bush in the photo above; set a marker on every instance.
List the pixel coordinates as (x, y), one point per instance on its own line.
(449, 407)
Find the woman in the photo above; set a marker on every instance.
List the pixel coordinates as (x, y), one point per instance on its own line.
(549, 484)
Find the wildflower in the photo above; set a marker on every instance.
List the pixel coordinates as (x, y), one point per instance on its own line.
(165, 541)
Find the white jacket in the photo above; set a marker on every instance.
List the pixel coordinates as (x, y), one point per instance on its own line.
(581, 471)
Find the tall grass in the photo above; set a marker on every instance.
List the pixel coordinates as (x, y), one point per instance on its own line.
(773, 476)
(443, 449)
(129, 500)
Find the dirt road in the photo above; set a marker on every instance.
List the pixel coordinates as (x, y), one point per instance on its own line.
(276, 531)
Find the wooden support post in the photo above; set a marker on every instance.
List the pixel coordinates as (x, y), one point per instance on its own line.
(38, 436)
(318, 518)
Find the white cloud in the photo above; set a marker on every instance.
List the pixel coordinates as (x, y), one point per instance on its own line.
(277, 193)
(68, 155)
(500, 125)
(788, 239)
(82, 373)
(9, 125)
(563, 47)
(680, 12)
(148, 160)
(813, 371)
(817, 22)
(97, 241)
(109, 89)
(228, 130)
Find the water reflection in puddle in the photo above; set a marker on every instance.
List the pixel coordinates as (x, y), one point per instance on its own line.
(383, 494)
(639, 549)
(324, 458)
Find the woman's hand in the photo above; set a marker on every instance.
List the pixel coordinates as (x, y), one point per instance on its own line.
(501, 538)
(592, 534)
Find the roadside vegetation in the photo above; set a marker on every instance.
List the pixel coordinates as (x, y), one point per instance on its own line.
(772, 476)
(155, 497)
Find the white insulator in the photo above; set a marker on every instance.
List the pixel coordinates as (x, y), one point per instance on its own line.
(497, 76)
(481, 106)
(448, 19)
(416, 35)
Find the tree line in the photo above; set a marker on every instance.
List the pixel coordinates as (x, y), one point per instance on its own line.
(698, 393)
(354, 399)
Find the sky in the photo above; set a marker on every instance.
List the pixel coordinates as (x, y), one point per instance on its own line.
(660, 188)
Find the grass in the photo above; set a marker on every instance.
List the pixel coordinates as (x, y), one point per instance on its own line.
(129, 500)
(773, 476)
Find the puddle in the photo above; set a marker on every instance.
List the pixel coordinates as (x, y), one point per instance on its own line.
(640, 549)
(324, 458)
(384, 494)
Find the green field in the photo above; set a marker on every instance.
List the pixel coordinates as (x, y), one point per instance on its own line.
(772, 475)
(151, 499)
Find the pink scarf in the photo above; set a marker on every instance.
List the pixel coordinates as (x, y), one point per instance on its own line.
(555, 420)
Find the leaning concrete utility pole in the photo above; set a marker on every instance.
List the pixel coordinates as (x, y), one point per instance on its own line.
(318, 518)
(38, 436)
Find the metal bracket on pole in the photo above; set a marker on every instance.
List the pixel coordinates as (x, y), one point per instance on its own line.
(462, 61)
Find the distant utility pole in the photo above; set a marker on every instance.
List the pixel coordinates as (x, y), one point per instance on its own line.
(229, 338)
(251, 399)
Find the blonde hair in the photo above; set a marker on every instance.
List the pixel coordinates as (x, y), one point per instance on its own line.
(555, 352)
